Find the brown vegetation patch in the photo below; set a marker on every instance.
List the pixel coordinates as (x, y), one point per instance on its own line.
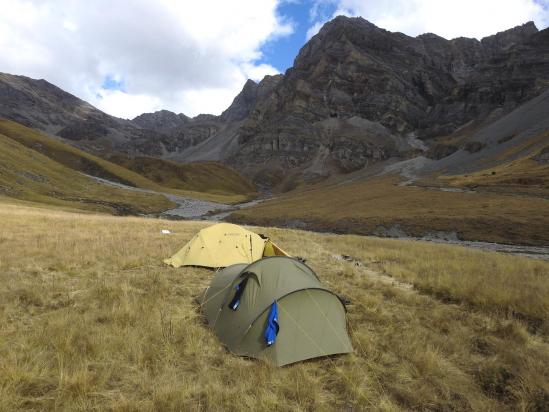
(365, 207)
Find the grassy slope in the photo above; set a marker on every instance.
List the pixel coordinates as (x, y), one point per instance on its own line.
(209, 177)
(362, 207)
(91, 319)
(29, 175)
(84, 162)
(524, 175)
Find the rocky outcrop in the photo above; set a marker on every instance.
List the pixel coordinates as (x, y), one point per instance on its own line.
(246, 99)
(508, 38)
(186, 133)
(162, 120)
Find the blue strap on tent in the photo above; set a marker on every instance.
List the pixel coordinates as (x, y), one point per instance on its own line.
(235, 302)
(271, 330)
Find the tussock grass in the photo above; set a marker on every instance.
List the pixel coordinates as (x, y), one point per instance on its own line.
(490, 281)
(91, 319)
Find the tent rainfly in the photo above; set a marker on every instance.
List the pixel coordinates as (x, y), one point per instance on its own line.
(275, 310)
(222, 245)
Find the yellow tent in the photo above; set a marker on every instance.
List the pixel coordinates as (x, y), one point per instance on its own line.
(222, 245)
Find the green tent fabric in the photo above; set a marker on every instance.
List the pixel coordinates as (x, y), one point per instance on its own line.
(311, 318)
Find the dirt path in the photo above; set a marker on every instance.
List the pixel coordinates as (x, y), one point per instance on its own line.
(376, 276)
(388, 280)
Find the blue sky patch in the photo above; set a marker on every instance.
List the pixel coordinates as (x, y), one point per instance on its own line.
(303, 14)
(111, 82)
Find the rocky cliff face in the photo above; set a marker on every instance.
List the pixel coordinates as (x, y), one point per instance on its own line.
(248, 97)
(353, 75)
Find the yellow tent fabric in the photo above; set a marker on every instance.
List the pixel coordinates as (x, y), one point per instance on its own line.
(222, 245)
(273, 250)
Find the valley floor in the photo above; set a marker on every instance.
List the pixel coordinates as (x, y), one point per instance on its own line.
(90, 318)
(384, 206)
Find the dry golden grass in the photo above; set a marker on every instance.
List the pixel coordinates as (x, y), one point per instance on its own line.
(90, 319)
(489, 281)
(206, 177)
(363, 207)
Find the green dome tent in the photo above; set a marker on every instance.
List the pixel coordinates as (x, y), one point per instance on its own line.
(310, 322)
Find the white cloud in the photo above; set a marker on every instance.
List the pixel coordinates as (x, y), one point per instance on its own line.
(190, 57)
(447, 18)
(126, 105)
(257, 72)
(314, 29)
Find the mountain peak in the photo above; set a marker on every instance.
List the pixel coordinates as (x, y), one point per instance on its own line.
(160, 120)
(345, 23)
(243, 102)
(249, 84)
(510, 37)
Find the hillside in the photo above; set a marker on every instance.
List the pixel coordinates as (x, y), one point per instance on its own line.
(488, 181)
(41, 105)
(72, 157)
(522, 133)
(207, 177)
(210, 182)
(92, 319)
(29, 175)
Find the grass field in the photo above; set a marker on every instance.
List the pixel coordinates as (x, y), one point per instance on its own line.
(378, 204)
(90, 319)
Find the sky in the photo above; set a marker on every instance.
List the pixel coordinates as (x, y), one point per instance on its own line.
(128, 57)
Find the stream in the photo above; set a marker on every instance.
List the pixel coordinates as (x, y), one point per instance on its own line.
(187, 207)
(191, 208)
(534, 252)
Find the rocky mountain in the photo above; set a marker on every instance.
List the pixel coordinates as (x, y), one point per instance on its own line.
(353, 75)
(356, 95)
(44, 106)
(186, 134)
